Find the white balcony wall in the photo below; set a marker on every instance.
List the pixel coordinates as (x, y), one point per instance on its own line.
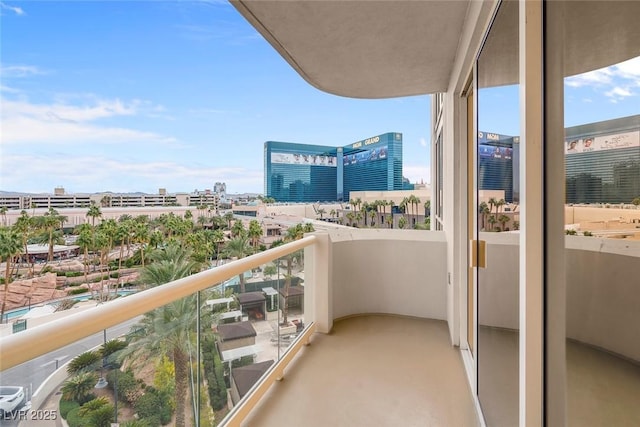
(401, 272)
(603, 290)
(499, 304)
(603, 293)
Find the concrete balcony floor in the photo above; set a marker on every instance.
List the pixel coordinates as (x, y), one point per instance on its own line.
(373, 370)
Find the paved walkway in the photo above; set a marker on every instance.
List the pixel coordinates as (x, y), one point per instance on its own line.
(51, 404)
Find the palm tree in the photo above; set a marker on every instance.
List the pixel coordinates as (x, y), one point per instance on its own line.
(229, 217)
(492, 202)
(503, 220)
(238, 229)
(255, 232)
(93, 213)
(492, 221)
(10, 247)
(3, 212)
(105, 201)
(78, 387)
(24, 226)
(141, 235)
(238, 248)
(483, 209)
(293, 233)
(85, 241)
(373, 215)
(351, 216)
(50, 222)
(169, 329)
(500, 203)
(321, 212)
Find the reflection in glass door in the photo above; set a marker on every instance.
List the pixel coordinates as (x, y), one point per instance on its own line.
(497, 213)
(597, 48)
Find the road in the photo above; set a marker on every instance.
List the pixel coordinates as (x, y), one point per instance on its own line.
(32, 374)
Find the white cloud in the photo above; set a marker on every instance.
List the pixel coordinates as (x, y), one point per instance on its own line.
(615, 82)
(25, 122)
(99, 173)
(423, 142)
(7, 89)
(618, 93)
(14, 9)
(16, 71)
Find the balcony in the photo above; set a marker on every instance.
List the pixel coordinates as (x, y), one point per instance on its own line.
(377, 313)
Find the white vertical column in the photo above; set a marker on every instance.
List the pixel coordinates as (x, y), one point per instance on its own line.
(532, 219)
(318, 301)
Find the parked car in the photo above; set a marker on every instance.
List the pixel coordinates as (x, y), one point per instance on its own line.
(11, 398)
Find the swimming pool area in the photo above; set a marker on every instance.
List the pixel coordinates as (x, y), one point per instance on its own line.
(19, 312)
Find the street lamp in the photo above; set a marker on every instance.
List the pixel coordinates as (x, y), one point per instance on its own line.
(102, 382)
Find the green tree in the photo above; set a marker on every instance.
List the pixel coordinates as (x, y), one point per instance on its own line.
(168, 330)
(492, 221)
(293, 233)
(24, 226)
(3, 212)
(50, 223)
(402, 222)
(238, 229)
(503, 220)
(10, 247)
(255, 233)
(228, 217)
(79, 387)
(238, 248)
(94, 212)
(141, 236)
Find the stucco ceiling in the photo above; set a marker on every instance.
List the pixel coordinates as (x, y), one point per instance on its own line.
(382, 49)
(363, 49)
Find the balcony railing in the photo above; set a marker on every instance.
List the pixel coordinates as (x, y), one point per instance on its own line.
(268, 321)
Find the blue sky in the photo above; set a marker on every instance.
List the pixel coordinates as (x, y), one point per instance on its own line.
(134, 96)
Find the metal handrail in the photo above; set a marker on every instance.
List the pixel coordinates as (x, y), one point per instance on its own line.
(24, 346)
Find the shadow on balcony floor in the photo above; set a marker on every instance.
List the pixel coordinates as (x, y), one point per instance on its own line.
(373, 371)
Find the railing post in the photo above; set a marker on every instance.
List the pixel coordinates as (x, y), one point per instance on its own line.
(319, 308)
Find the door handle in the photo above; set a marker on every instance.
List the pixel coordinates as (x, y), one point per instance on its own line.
(478, 251)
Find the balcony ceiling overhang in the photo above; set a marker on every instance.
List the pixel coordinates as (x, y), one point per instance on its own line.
(364, 49)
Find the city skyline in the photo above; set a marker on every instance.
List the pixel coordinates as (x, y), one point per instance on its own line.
(136, 96)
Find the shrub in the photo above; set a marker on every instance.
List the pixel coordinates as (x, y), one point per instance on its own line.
(79, 387)
(84, 362)
(114, 275)
(570, 232)
(75, 420)
(66, 406)
(112, 346)
(73, 274)
(128, 388)
(154, 404)
(587, 233)
(77, 291)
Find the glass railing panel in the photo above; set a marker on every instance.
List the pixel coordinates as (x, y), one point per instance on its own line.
(272, 308)
(172, 364)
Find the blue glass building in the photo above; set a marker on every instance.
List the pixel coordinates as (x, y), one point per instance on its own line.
(309, 173)
(498, 157)
(602, 162)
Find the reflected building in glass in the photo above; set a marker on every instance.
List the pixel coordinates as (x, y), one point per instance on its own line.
(498, 164)
(603, 161)
(309, 173)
